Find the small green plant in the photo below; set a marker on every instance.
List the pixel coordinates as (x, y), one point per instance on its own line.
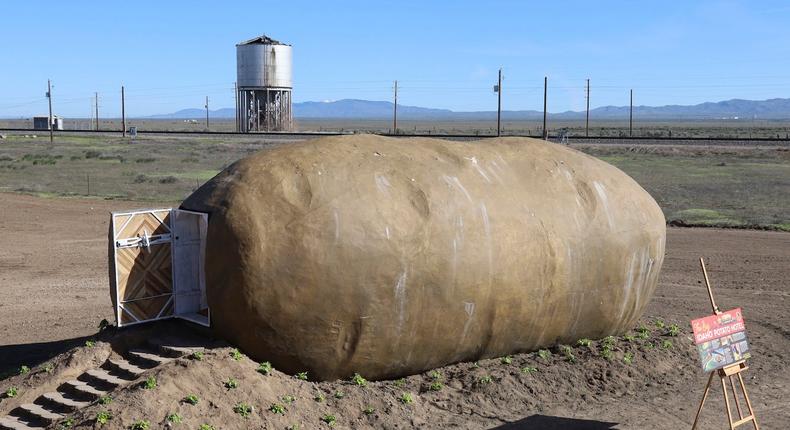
(643, 332)
(628, 358)
(175, 418)
(265, 368)
(629, 337)
(369, 410)
(567, 351)
(436, 386)
(475, 365)
(406, 398)
(206, 427)
(140, 425)
(150, 383)
(90, 343)
(673, 330)
(529, 369)
(67, 423)
(666, 344)
(359, 380)
(197, 355)
(650, 345)
(11, 392)
(191, 399)
(584, 342)
(105, 400)
(277, 408)
(485, 380)
(607, 354)
(103, 417)
(24, 370)
(231, 383)
(319, 397)
(506, 359)
(302, 376)
(329, 420)
(609, 341)
(660, 324)
(288, 399)
(339, 394)
(400, 382)
(544, 354)
(435, 375)
(49, 367)
(236, 354)
(243, 409)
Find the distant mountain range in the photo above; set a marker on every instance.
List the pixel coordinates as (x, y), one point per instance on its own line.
(367, 109)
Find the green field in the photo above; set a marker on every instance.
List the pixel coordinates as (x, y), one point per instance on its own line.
(711, 186)
(698, 185)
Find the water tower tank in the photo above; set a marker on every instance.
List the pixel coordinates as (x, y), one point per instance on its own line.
(264, 80)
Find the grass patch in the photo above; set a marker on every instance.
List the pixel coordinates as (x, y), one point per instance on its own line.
(243, 409)
(265, 368)
(103, 417)
(357, 379)
(706, 217)
(150, 383)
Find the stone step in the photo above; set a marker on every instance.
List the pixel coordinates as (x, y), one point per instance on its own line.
(84, 388)
(14, 423)
(105, 377)
(148, 357)
(64, 402)
(125, 366)
(40, 412)
(177, 351)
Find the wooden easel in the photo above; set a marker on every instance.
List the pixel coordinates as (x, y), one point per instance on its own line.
(727, 372)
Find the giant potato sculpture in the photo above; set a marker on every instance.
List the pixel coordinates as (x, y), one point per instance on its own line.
(389, 256)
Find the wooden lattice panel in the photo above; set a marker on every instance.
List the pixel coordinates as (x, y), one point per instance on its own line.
(147, 309)
(143, 265)
(144, 273)
(137, 224)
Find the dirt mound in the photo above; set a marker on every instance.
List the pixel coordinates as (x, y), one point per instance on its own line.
(227, 386)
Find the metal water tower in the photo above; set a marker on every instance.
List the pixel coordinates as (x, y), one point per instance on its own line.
(263, 69)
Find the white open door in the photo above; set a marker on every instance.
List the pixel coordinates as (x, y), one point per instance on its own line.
(159, 260)
(189, 256)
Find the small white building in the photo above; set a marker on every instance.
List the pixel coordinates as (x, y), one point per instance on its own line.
(40, 122)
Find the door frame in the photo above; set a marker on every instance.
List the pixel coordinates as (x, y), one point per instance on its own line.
(171, 241)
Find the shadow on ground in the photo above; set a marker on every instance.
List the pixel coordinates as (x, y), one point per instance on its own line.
(175, 332)
(32, 354)
(545, 422)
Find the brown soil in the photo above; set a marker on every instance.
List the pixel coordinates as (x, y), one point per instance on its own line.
(54, 293)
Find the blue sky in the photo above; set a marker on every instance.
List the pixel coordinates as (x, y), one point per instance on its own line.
(171, 54)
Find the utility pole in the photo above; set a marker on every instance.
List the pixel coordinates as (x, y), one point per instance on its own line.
(631, 116)
(499, 104)
(545, 93)
(207, 113)
(123, 113)
(395, 111)
(97, 110)
(49, 96)
(587, 121)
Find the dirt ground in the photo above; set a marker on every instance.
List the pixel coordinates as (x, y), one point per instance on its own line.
(53, 294)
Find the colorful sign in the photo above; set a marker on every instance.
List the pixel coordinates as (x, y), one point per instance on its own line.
(721, 339)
